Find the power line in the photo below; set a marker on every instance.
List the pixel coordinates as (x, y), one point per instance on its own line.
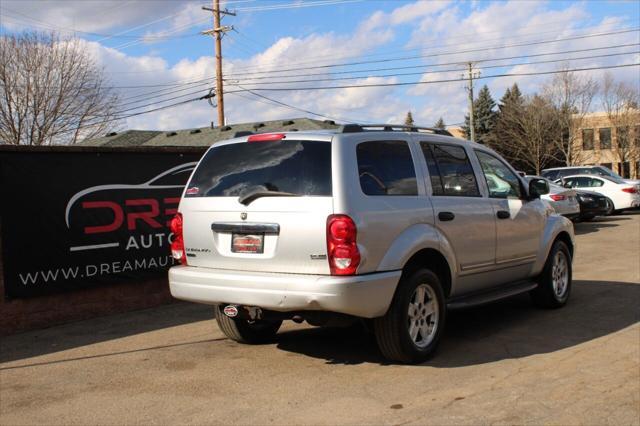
(443, 64)
(476, 41)
(405, 58)
(127, 116)
(442, 71)
(190, 83)
(291, 106)
(332, 56)
(295, 5)
(414, 83)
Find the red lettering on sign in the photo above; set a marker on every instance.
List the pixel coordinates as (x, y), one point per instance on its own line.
(147, 216)
(118, 216)
(171, 212)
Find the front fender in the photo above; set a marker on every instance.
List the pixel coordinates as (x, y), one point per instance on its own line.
(555, 224)
(413, 239)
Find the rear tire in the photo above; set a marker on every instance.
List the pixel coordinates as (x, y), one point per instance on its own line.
(412, 327)
(245, 331)
(554, 283)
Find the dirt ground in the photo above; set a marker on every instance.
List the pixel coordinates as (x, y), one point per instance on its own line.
(506, 363)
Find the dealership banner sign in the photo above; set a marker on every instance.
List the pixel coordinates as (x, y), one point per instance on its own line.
(78, 219)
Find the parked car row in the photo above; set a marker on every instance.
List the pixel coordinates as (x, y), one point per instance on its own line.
(582, 193)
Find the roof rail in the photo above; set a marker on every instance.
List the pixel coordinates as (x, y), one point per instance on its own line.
(357, 128)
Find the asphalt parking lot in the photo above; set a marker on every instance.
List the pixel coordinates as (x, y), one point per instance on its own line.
(503, 363)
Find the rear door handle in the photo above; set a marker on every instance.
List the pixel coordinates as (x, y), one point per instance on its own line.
(503, 214)
(446, 216)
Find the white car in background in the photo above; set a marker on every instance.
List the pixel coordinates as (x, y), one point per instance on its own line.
(558, 173)
(623, 195)
(563, 200)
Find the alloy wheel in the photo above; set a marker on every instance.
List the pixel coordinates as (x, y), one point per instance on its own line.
(423, 315)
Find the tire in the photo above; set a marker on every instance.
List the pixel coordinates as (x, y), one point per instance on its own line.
(392, 331)
(554, 283)
(245, 331)
(610, 208)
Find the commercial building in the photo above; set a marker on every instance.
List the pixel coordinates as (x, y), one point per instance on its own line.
(613, 142)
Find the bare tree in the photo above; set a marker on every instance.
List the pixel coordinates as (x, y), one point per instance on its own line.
(527, 133)
(51, 91)
(571, 95)
(620, 102)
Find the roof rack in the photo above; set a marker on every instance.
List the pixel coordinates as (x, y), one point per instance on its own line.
(357, 128)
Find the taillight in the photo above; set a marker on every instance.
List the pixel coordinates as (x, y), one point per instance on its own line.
(342, 249)
(557, 197)
(630, 190)
(177, 245)
(266, 137)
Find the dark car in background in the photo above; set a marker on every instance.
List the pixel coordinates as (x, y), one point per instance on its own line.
(593, 204)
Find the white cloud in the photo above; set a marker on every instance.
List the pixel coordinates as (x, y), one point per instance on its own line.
(417, 10)
(508, 23)
(84, 15)
(434, 28)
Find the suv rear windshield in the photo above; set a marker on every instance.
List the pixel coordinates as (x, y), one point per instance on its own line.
(296, 167)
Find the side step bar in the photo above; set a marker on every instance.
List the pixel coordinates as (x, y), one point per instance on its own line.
(492, 295)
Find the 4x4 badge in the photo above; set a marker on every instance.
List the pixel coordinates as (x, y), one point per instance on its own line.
(243, 215)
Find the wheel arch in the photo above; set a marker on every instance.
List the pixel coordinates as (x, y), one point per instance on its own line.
(433, 260)
(565, 238)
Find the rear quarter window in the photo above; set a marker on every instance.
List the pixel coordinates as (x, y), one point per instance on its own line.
(297, 167)
(386, 168)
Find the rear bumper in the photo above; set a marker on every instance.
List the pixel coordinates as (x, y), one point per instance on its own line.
(366, 296)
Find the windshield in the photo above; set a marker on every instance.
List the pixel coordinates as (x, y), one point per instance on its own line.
(296, 167)
(601, 170)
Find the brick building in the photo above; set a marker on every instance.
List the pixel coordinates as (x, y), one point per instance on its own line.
(601, 142)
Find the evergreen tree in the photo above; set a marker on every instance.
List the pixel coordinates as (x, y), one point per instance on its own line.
(440, 124)
(511, 97)
(484, 116)
(507, 126)
(409, 119)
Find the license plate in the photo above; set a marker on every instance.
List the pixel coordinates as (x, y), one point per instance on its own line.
(247, 243)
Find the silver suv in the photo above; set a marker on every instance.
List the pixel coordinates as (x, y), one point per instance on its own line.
(390, 224)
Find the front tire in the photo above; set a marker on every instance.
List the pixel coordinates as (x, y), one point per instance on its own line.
(245, 331)
(412, 327)
(554, 283)
(610, 208)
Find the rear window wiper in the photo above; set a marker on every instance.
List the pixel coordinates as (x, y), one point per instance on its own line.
(257, 193)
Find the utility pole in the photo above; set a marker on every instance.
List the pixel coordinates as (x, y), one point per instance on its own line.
(217, 32)
(471, 75)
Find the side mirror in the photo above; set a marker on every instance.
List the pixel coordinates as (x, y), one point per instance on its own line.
(537, 187)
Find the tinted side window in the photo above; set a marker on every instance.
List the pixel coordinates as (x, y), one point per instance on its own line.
(502, 182)
(455, 172)
(595, 183)
(434, 172)
(581, 182)
(386, 168)
(551, 175)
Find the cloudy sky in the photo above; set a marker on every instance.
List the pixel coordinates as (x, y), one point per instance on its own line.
(408, 55)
